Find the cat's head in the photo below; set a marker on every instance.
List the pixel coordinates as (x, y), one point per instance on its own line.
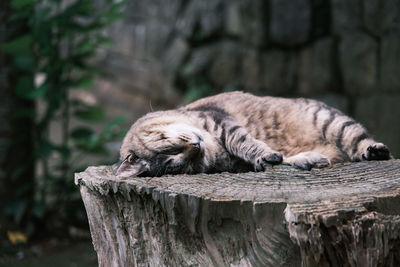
(161, 143)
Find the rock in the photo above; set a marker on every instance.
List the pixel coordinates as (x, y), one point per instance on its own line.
(128, 39)
(253, 21)
(381, 17)
(198, 61)
(225, 65)
(147, 28)
(388, 126)
(278, 72)
(233, 22)
(201, 19)
(365, 112)
(290, 21)
(346, 15)
(251, 71)
(219, 63)
(316, 68)
(380, 114)
(212, 16)
(186, 22)
(320, 19)
(358, 63)
(146, 78)
(391, 18)
(315, 48)
(390, 64)
(337, 101)
(175, 55)
(157, 37)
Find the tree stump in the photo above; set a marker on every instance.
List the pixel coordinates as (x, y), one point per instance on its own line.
(345, 215)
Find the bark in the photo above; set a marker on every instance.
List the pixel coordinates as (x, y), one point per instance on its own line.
(346, 215)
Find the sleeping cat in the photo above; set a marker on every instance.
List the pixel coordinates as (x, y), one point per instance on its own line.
(239, 132)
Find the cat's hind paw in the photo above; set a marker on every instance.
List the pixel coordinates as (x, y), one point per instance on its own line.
(307, 160)
(267, 160)
(377, 151)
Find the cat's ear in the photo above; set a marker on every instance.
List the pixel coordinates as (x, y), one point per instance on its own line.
(130, 169)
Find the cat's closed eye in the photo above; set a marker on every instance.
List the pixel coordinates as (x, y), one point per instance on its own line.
(173, 150)
(131, 157)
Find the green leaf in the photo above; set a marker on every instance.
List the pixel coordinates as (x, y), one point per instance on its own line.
(41, 15)
(21, 14)
(44, 36)
(105, 41)
(91, 144)
(81, 8)
(26, 90)
(112, 130)
(19, 4)
(90, 113)
(24, 87)
(44, 149)
(64, 151)
(40, 91)
(114, 123)
(114, 12)
(82, 133)
(24, 63)
(99, 149)
(85, 46)
(38, 210)
(84, 82)
(21, 46)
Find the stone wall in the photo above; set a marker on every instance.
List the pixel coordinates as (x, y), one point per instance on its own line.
(344, 52)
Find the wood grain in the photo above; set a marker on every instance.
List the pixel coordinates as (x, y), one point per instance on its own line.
(345, 215)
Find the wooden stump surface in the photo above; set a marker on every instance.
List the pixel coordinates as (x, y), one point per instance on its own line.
(345, 215)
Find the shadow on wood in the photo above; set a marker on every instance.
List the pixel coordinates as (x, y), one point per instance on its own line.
(346, 215)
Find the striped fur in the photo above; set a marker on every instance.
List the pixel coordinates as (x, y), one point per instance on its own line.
(241, 132)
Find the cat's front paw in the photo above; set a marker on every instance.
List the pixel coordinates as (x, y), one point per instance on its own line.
(308, 160)
(269, 159)
(377, 151)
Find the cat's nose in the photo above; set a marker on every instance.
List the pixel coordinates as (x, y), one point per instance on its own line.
(196, 148)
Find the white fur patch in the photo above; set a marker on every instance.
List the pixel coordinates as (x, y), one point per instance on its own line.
(176, 130)
(307, 160)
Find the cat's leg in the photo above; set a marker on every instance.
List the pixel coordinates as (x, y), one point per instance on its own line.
(240, 143)
(307, 160)
(348, 135)
(372, 150)
(359, 146)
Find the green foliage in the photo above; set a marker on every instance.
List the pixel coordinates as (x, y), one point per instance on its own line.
(197, 88)
(90, 113)
(60, 41)
(20, 46)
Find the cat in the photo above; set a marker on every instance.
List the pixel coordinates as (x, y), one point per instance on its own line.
(238, 132)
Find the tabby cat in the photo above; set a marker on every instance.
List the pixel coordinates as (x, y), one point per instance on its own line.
(238, 132)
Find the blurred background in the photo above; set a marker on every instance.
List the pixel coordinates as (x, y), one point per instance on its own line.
(75, 74)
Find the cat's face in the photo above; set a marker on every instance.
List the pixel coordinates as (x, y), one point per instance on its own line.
(162, 143)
